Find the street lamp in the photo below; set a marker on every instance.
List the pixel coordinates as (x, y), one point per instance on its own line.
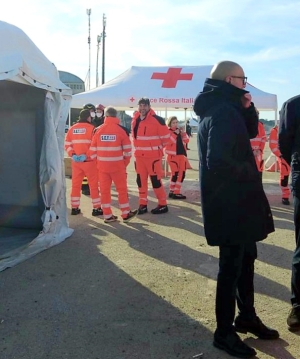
(103, 48)
(88, 11)
(98, 45)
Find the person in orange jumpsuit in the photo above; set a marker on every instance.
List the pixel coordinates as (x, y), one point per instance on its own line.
(284, 168)
(77, 143)
(112, 147)
(176, 157)
(85, 189)
(150, 135)
(258, 145)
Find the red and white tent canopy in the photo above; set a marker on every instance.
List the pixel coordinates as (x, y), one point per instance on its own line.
(167, 88)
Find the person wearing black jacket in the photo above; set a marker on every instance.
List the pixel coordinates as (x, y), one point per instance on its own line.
(176, 157)
(188, 130)
(289, 146)
(235, 209)
(99, 118)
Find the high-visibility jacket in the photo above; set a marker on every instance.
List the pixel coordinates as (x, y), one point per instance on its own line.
(78, 139)
(258, 145)
(150, 135)
(273, 141)
(259, 142)
(111, 146)
(175, 146)
(283, 166)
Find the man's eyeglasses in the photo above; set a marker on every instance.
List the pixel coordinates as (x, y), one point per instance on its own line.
(244, 78)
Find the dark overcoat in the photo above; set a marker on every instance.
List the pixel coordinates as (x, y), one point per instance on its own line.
(289, 139)
(234, 205)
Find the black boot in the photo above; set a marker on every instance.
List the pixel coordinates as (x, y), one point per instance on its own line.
(256, 327)
(232, 344)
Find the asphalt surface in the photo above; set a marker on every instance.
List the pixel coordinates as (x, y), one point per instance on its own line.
(141, 290)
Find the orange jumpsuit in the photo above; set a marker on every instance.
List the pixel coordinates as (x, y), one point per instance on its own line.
(283, 166)
(150, 136)
(176, 158)
(112, 148)
(77, 142)
(258, 145)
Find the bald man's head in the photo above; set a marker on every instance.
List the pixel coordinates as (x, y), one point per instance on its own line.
(223, 69)
(230, 72)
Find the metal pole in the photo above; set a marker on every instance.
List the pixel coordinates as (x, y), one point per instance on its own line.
(103, 49)
(88, 11)
(97, 67)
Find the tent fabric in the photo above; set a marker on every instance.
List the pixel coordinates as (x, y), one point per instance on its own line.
(167, 88)
(33, 211)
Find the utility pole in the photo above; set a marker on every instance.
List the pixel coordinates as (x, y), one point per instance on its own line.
(103, 49)
(97, 72)
(88, 11)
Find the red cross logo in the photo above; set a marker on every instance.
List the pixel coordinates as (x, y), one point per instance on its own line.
(132, 99)
(171, 77)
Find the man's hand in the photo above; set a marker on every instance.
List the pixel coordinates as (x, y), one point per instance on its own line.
(246, 100)
(75, 158)
(81, 158)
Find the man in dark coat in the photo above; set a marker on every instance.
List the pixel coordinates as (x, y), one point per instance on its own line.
(289, 145)
(236, 212)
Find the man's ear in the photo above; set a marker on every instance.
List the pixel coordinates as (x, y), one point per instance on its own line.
(228, 79)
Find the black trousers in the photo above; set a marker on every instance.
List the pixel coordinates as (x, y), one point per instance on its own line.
(295, 297)
(235, 284)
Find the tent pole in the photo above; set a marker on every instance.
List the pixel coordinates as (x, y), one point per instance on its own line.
(166, 164)
(276, 123)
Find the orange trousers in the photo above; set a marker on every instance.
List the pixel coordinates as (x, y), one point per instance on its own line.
(177, 165)
(259, 162)
(284, 169)
(150, 167)
(79, 171)
(119, 178)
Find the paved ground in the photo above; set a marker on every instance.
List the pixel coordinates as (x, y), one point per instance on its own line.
(140, 290)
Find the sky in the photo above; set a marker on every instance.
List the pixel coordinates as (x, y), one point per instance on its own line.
(263, 37)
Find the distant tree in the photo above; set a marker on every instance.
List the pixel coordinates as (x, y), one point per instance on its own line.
(268, 123)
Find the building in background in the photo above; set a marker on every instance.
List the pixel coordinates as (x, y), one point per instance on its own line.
(77, 85)
(72, 81)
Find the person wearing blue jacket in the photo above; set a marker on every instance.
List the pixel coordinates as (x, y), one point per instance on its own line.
(235, 209)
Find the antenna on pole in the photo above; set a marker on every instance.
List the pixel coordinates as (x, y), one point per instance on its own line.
(88, 11)
(103, 49)
(97, 72)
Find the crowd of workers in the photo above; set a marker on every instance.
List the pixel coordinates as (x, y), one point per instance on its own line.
(258, 145)
(101, 150)
(150, 147)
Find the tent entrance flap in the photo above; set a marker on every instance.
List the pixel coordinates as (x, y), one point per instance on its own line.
(21, 135)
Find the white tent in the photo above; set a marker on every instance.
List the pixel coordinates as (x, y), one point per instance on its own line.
(166, 87)
(34, 106)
